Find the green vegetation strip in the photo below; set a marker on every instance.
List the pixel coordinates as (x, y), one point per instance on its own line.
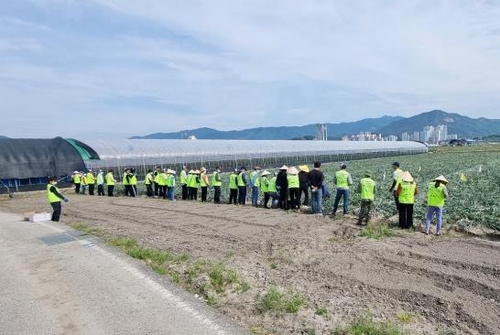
(210, 280)
(376, 232)
(280, 302)
(365, 325)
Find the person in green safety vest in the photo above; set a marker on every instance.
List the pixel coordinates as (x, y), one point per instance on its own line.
(272, 190)
(162, 184)
(366, 188)
(183, 182)
(293, 188)
(436, 196)
(149, 182)
(132, 181)
(156, 177)
(233, 187)
(242, 185)
(110, 182)
(90, 181)
(204, 183)
(406, 192)
(216, 184)
(264, 186)
(255, 185)
(54, 198)
(76, 181)
(171, 184)
(342, 180)
(396, 180)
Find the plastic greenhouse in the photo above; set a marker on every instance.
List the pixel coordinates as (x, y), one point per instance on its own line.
(143, 154)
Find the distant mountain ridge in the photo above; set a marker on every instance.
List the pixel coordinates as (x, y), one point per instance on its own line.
(458, 124)
(335, 130)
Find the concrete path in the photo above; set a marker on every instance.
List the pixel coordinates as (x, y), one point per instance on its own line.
(53, 282)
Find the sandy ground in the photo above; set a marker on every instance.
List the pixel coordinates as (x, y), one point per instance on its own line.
(448, 284)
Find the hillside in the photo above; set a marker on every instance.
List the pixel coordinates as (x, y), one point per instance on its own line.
(457, 124)
(335, 131)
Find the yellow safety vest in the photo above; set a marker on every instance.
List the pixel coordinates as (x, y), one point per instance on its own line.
(435, 195)
(407, 194)
(367, 188)
(51, 197)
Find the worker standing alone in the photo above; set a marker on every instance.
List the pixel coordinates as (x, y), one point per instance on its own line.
(342, 179)
(366, 189)
(436, 195)
(54, 197)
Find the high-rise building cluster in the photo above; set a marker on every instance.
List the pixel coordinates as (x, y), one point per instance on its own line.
(430, 135)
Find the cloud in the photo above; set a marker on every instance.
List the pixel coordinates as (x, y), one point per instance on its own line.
(239, 64)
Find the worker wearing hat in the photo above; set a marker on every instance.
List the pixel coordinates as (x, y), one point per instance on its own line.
(233, 187)
(110, 182)
(183, 182)
(282, 186)
(406, 192)
(343, 180)
(396, 180)
(91, 181)
(54, 198)
(204, 183)
(149, 182)
(100, 182)
(293, 187)
(216, 184)
(436, 195)
(76, 181)
(254, 181)
(242, 185)
(264, 186)
(366, 189)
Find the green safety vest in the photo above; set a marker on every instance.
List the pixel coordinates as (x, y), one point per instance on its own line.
(133, 180)
(232, 181)
(149, 177)
(124, 179)
(189, 180)
(76, 179)
(264, 184)
(435, 195)
(216, 182)
(90, 178)
(183, 178)
(241, 182)
(172, 181)
(272, 185)
(367, 188)
(254, 179)
(109, 178)
(51, 197)
(162, 179)
(407, 194)
(202, 181)
(293, 181)
(342, 179)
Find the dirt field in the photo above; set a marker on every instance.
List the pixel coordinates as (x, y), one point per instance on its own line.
(430, 285)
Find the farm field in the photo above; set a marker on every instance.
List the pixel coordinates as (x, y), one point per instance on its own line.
(291, 273)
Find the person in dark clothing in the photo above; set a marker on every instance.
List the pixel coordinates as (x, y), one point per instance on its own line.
(282, 185)
(155, 180)
(54, 197)
(316, 178)
(304, 184)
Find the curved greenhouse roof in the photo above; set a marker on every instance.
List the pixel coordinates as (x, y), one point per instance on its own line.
(148, 152)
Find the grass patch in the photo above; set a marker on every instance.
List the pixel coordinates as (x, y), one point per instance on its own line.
(87, 229)
(321, 311)
(405, 318)
(277, 301)
(365, 325)
(377, 232)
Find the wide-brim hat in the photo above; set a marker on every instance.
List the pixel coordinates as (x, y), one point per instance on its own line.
(284, 167)
(190, 171)
(292, 170)
(170, 171)
(76, 172)
(196, 172)
(368, 174)
(441, 178)
(304, 168)
(265, 173)
(203, 169)
(406, 176)
(256, 167)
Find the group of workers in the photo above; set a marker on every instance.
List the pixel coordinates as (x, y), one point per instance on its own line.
(282, 189)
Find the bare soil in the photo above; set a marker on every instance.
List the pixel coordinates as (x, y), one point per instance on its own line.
(447, 285)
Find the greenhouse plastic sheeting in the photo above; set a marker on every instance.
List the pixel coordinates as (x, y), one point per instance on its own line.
(145, 152)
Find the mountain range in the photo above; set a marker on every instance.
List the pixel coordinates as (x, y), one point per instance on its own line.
(463, 126)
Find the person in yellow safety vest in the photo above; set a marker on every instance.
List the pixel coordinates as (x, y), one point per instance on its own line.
(342, 180)
(204, 183)
(396, 180)
(264, 186)
(436, 196)
(156, 177)
(76, 181)
(195, 184)
(406, 192)
(170, 184)
(272, 190)
(255, 185)
(132, 180)
(54, 198)
(366, 188)
(110, 182)
(125, 181)
(217, 183)
(183, 182)
(90, 181)
(233, 187)
(162, 184)
(242, 185)
(293, 187)
(83, 182)
(149, 182)
(190, 183)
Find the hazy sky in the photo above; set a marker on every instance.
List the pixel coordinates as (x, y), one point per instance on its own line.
(119, 68)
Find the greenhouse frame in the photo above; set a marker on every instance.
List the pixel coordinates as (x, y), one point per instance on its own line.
(28, 162)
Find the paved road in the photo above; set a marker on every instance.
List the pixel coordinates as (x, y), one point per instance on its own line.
(54, 283)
